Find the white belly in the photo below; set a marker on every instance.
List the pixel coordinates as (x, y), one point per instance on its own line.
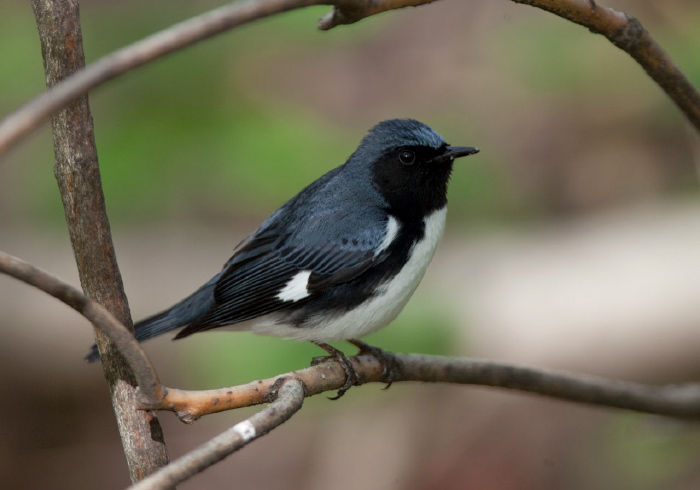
(380, 310)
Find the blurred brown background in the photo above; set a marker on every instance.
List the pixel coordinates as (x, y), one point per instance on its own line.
(573, 242)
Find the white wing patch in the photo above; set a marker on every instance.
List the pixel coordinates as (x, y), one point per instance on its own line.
(296, 288)
(392, 230)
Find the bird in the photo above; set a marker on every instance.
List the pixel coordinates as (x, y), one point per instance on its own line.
(339, 260)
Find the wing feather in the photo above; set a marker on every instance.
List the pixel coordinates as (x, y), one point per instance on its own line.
(251, 282)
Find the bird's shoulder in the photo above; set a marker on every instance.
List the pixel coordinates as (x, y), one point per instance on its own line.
(337, 209)
(321, 242)
(333, 230)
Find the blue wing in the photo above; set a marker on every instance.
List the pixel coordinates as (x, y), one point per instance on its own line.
(251, 282)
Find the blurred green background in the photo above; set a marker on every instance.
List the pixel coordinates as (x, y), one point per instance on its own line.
(198, 148)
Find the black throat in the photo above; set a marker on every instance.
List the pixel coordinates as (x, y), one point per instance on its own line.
(412, 192)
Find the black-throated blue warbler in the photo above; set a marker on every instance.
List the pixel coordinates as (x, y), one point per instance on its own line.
(341, 258)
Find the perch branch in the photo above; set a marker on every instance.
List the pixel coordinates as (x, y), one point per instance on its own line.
(150, 389)
(288, 397)
(680, 401)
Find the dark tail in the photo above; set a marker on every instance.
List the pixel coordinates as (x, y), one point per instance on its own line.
(185, 312)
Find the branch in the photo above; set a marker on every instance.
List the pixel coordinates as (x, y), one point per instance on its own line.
(624, 31)
(150, 389)
(628, 34)
(288, 395)
(28, 117)
(78, 176)
(680, 401)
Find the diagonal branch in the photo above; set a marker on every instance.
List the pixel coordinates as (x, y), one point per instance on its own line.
(680, 401)
(288, 395)
(628, 34)
(621, 29)
(28, 117)
(150, 389)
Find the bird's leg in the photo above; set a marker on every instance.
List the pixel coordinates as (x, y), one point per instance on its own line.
(351, 377)
(386, 359)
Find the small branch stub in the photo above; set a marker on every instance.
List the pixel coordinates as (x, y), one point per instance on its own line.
(349, 12)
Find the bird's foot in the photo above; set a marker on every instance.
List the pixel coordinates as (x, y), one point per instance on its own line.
(351, 377)
(389, 365)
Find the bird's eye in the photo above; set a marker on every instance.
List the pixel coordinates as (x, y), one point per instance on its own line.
(407, 157)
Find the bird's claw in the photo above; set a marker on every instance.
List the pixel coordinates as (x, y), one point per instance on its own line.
(389, 365)
(351, 377)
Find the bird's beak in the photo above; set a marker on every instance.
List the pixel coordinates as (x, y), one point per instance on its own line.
(452, 152)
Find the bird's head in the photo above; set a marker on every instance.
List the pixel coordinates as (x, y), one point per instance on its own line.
(410, 164)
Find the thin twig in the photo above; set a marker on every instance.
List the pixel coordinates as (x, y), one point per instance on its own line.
(628, 34)
(680, 401)
(150, 389)
(28, 117)
(623, 30)
(288, 399)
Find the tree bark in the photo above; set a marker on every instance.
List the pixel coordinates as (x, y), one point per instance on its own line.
(78, 176)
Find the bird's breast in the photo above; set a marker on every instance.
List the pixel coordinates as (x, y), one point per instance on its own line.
(392, 295)
(401, 286)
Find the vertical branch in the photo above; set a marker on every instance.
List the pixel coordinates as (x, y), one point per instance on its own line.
(78, 176)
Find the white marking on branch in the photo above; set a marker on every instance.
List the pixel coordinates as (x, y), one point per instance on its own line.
(246, 430)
